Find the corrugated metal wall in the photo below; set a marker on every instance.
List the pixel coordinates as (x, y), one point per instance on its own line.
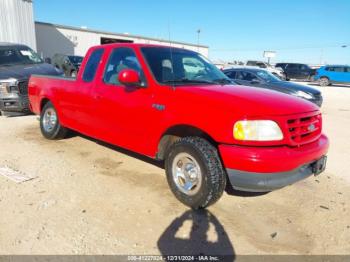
(17, 22)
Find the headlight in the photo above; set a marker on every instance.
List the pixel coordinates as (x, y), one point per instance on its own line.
(257, 130)
(303, 95)
(6, 85)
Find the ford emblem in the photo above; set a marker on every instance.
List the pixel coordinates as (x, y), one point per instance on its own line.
(311, 127)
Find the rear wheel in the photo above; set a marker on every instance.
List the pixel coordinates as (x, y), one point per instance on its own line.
(49, 123)
(194, 172)
(324, 81)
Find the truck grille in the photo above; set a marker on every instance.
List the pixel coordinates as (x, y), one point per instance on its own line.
(304, 130)
(3, 89)
(23, 87)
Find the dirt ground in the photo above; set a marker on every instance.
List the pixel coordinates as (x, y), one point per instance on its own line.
(90, 198)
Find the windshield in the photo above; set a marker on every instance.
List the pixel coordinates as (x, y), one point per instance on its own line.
(179, 66)
(18, 55)
(267, 76)
(76, 59)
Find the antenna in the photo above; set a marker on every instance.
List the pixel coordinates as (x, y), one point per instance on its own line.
(171, 56)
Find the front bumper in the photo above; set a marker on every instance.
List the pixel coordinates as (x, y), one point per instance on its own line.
(14, 103)
(262, 169)
(256, 182)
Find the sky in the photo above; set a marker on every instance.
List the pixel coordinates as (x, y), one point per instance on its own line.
(306, 31)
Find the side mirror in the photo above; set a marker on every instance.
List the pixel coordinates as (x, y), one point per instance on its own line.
(129, 77)
(47, 60)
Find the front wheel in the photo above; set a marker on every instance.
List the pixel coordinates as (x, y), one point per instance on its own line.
(324, 81)
(49, 123)
(194, 172)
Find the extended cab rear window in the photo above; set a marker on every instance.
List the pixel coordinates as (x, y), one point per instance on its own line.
(92, 65)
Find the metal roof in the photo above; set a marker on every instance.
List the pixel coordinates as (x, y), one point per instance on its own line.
(7, 44)
(116, 34)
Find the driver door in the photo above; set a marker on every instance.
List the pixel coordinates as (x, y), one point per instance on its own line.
(124, 114)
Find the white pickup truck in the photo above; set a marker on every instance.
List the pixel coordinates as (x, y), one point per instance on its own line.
(277, 71)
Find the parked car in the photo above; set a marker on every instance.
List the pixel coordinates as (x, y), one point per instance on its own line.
(329, 74)
(17, 63)
(264, 79)
(69, 64)
(272, 69)
(297, 71)
(173, 105)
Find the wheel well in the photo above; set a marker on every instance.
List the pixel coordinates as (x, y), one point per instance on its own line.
(43, 103)
(176, 132)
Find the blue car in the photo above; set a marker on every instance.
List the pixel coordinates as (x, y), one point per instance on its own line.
(329, 74)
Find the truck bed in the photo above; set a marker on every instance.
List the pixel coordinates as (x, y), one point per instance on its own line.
(41, 85)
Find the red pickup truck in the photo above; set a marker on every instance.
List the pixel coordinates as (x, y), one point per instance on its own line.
(173, 105)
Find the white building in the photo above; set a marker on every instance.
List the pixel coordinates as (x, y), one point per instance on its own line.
(53, 38)
(17, 22)
(17, 26)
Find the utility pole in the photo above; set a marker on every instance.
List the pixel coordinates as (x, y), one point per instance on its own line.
(198, 33)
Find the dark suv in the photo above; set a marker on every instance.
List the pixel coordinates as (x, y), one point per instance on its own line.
(69, 64)
(297, 71)
(17, 63)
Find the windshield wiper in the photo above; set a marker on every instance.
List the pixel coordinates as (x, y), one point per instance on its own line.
(186, 80)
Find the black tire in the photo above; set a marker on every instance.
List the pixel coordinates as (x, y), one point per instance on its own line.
(213, 176)
(324, 81)
(57, 131)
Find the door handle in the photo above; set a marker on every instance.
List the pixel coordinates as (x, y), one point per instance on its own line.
(97, 96)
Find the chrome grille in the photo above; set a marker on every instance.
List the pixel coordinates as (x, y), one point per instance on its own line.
(23, 87)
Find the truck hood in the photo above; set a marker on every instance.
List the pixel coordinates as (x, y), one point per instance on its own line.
(294, 87)
(24, 71)
(251, 101)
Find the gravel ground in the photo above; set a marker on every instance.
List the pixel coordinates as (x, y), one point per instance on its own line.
(90, 198)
